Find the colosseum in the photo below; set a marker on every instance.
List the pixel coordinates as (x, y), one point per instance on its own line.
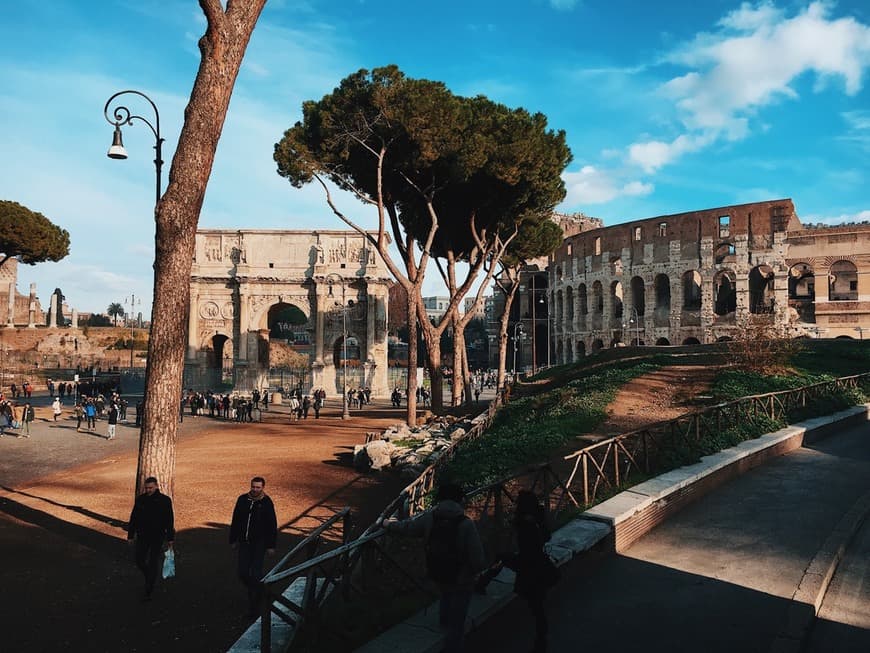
(702, 276)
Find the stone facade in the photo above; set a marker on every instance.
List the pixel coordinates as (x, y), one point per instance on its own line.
(696, 277)
(19, 310)
(243, 282)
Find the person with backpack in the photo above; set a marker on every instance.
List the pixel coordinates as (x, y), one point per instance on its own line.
(535, 571)
(454, 557)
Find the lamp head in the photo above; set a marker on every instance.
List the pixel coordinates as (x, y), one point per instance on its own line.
(117, 151)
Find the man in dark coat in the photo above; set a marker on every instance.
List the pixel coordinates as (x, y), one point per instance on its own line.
(253, 531)
(151, 523)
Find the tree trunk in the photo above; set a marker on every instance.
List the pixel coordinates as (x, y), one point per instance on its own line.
(504, 322)
(412, 360)
(177, 216)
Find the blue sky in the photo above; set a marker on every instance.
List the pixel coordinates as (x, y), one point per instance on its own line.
(667, 106)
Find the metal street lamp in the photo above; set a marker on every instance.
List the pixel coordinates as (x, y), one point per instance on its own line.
(345, 412)
(633, 323)
(121, 115)
(518, 331)
(132, 320)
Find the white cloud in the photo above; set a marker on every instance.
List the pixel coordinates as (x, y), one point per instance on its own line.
(652, 155)
(754, 60)
(593, 186)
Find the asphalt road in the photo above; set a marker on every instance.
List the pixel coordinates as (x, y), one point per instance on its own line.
(718, 576)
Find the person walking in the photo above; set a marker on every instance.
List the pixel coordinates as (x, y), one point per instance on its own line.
(152, 522)
(56, 410)
(26, 418)
(91, 415)
(113, 421)
(535, 571)
(79, 413)
(454, 557)
(253, 533)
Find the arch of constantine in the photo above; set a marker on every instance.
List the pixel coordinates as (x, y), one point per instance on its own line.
(316, 297)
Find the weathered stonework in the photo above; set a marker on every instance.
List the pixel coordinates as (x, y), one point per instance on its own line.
(696, 277)
(239, 277)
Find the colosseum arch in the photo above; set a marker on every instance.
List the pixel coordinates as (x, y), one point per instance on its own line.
(691, 290)
(761, 298)
(597, 305)
(662, 311)
(616, 302)
(843, 282)
(638, 295)
(724, 292)
(583, 305)
(258, 293)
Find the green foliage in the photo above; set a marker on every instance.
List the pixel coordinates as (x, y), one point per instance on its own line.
(834, 357)
(531, 428)
(115, 311)
(30, 236)
(98, 320)
(732, 384)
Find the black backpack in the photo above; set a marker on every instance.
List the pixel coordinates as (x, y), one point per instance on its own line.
(443, 554)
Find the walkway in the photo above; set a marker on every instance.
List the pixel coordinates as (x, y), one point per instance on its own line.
(720, 575)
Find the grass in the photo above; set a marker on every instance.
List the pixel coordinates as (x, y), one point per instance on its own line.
(530, 428)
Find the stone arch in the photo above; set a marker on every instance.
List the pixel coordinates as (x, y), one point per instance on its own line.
(662, 311)
(843, 282)
(597, 345)
(801, 282)
(569, 352)
(761, 298)
(597, 304)
(724, 253)
(691, 341)
(616, 301)
(560, 306)
(638, 295)
(581, 349)
(583, 305)
(663, 342)
(724, 292)
(724, 339)
(691, 290)
(569, 305)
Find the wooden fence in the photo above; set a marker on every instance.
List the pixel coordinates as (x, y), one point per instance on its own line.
(598, 470)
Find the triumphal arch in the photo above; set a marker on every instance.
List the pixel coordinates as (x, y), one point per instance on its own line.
(267, 299)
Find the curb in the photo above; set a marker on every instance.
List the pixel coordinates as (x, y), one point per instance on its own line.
(421, 633)
(810, 594)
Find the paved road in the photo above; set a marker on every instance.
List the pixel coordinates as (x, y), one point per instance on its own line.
(718, 576)
(843, 625)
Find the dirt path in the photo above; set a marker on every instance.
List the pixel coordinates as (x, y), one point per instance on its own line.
(661, 395)
(68, 575)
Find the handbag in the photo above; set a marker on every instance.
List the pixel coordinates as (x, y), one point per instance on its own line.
(169, 564)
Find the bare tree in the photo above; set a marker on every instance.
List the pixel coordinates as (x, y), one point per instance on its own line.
(177, 215)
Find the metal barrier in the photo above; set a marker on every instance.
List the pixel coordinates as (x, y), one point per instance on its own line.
(606, 465)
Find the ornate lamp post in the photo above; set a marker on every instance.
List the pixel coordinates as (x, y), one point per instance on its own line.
(330, 280)
(518, 332)
(132, 320)
(121, 115)
(633, 323)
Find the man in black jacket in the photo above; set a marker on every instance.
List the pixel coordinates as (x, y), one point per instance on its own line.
(151, 523)
(253, 531)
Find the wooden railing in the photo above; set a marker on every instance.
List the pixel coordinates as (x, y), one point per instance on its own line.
(598, 470)
(605, 466)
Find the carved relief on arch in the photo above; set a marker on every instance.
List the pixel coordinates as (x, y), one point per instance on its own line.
(209, 310)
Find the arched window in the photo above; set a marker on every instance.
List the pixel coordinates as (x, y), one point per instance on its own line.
(801, 282)
(761, 299)
(616, 299)
(724, 292)
(662, 311)
(638, 295)
(569, 305)
(691, 290)
(724, 253)
(843, 282)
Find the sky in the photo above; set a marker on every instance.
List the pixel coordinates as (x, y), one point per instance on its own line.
(667, 107)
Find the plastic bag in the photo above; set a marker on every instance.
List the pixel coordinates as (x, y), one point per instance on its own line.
(169, 564)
